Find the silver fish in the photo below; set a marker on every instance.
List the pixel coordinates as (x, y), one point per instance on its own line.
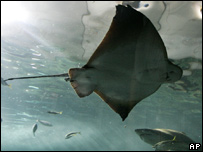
(34, 128)
(69, 135)
(45, 123)
(55, 112)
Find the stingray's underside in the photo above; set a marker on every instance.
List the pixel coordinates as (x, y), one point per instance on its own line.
(130, 63)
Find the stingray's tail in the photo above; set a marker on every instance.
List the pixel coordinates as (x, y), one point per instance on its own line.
(42, 76)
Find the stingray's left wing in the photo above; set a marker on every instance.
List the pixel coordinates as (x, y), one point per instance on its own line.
(131, 42)
(119, 106)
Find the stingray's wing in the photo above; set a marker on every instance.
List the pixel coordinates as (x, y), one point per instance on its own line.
(129, 65)
(133, 49)
(118, 105)
(119, 90)
(133, 41)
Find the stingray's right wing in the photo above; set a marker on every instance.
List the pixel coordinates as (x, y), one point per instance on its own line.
(119, 106)
(132, 39)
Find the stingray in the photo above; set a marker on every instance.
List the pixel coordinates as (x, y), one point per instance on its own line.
(130, 64)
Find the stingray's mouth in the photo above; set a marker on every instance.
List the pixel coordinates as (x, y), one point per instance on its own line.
(74, 83)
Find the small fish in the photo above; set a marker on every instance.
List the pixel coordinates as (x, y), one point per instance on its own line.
(5, 83)
(69, 135)
(34, 128)
(171, 145)
(55, 112)
(45, 123)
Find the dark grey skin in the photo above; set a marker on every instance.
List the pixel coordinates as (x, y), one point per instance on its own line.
(129, 65)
